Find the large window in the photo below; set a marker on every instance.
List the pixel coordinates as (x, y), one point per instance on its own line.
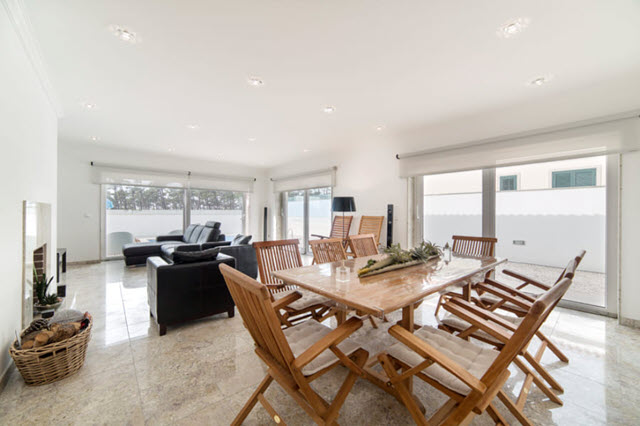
(308, 212)
(227, 207)
(452, 205)
(139, 213)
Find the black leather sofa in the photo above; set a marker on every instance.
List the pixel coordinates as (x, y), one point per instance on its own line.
(187, 291)
(137, 253)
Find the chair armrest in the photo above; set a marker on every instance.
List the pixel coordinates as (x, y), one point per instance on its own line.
(512, 291)
(425, 350)
(526, 280)
(214, 244)
(286, 300)
(483, 313)
(322, 237)
(173, 237)
(479, 322)
(507, 297)
(333, 338)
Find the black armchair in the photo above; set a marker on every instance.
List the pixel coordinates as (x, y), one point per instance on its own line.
(188, 291)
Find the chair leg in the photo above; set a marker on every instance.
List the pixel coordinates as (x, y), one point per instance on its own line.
(252, 400)
(519, 415)
(373, 322)
(440, 299)
(360, 357)
(496, 416)
(403, 392)
(552, 347)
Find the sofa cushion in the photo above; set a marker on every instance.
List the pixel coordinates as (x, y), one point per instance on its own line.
(195, 256)
(187, 233)
(240, 239)
(473, 358)
(212, 224)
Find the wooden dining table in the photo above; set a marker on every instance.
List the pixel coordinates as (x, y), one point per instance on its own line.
(380, 294)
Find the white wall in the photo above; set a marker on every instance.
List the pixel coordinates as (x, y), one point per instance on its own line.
(630, 235)
(28, 133)
(367, 171)
(79, 198)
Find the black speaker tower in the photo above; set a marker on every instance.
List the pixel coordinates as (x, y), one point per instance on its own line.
(389, 225)
(264, 226)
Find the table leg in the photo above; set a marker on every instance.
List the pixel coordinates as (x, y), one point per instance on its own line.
(407, 321)
(466, 291)
(341, 316)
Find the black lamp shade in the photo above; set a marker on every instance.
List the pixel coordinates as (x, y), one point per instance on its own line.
(343, 204)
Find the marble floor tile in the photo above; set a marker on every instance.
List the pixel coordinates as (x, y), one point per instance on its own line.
(202, 372)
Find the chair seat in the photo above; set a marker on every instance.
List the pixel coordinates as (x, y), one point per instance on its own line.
(457, 323)
(490, 299)
(308, 299)
(305, 334)
(471, 357)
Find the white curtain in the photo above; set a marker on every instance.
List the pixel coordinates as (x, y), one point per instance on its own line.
(599, 137)
(307, 180)
(120, 175)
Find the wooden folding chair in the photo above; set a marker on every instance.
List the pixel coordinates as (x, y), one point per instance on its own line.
(284, 254)
(295, 356)
(493, 295)
(363, 245)
(339, 228)
(469, 246)
(371, 225)
(470, 375)
(328, 250)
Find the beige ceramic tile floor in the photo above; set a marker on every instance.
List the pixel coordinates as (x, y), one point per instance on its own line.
(202, 372)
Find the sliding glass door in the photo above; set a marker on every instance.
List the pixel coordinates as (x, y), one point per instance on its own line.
(138, 214)
(544, 214)
(307, 212)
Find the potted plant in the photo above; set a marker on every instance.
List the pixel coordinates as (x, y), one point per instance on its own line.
(45, 301)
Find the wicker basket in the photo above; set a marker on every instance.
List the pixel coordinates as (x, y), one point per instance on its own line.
(53, 362)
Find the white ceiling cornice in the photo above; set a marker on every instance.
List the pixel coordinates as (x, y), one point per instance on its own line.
(18, 16)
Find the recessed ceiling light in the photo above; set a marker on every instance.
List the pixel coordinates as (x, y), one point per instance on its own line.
(252, 139)
(255, 81)
(171, 150)
(513, 28)
(124, 34)
(89, 106)
(380, 127)
(540, 81)
(95, 138)
(306, 150)
(329, 109)
(193, 126)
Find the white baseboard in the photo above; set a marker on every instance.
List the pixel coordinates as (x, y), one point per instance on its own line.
(6, 375)
(630, 322)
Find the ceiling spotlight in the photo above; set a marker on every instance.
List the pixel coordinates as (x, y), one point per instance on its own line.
(380, 127)
(329, 109)
(171, 150)
(252, 139)
(89, 106)
(124, 34)
(306, 150)
(193, 126)
(513, 28)
(95, 138)
(255, 81)
(540, 81)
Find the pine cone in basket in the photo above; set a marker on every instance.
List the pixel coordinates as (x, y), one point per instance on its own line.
(63, 331)
(36, 325)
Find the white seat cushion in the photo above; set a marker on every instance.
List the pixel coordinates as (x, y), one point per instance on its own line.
(490, 299)
(457, 323)
(473, 358)
(308, 299)
(305, 334)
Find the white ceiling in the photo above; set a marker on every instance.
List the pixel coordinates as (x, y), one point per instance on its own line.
(399, 64)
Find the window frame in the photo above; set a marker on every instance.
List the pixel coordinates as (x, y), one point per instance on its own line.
(504, 179)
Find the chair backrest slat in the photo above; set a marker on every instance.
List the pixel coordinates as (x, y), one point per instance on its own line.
(274, 256)
(254, 303)
(536, 316)
(341, 226)
(363, 245)
(371, 225)
(328, 250)
(474, 246)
